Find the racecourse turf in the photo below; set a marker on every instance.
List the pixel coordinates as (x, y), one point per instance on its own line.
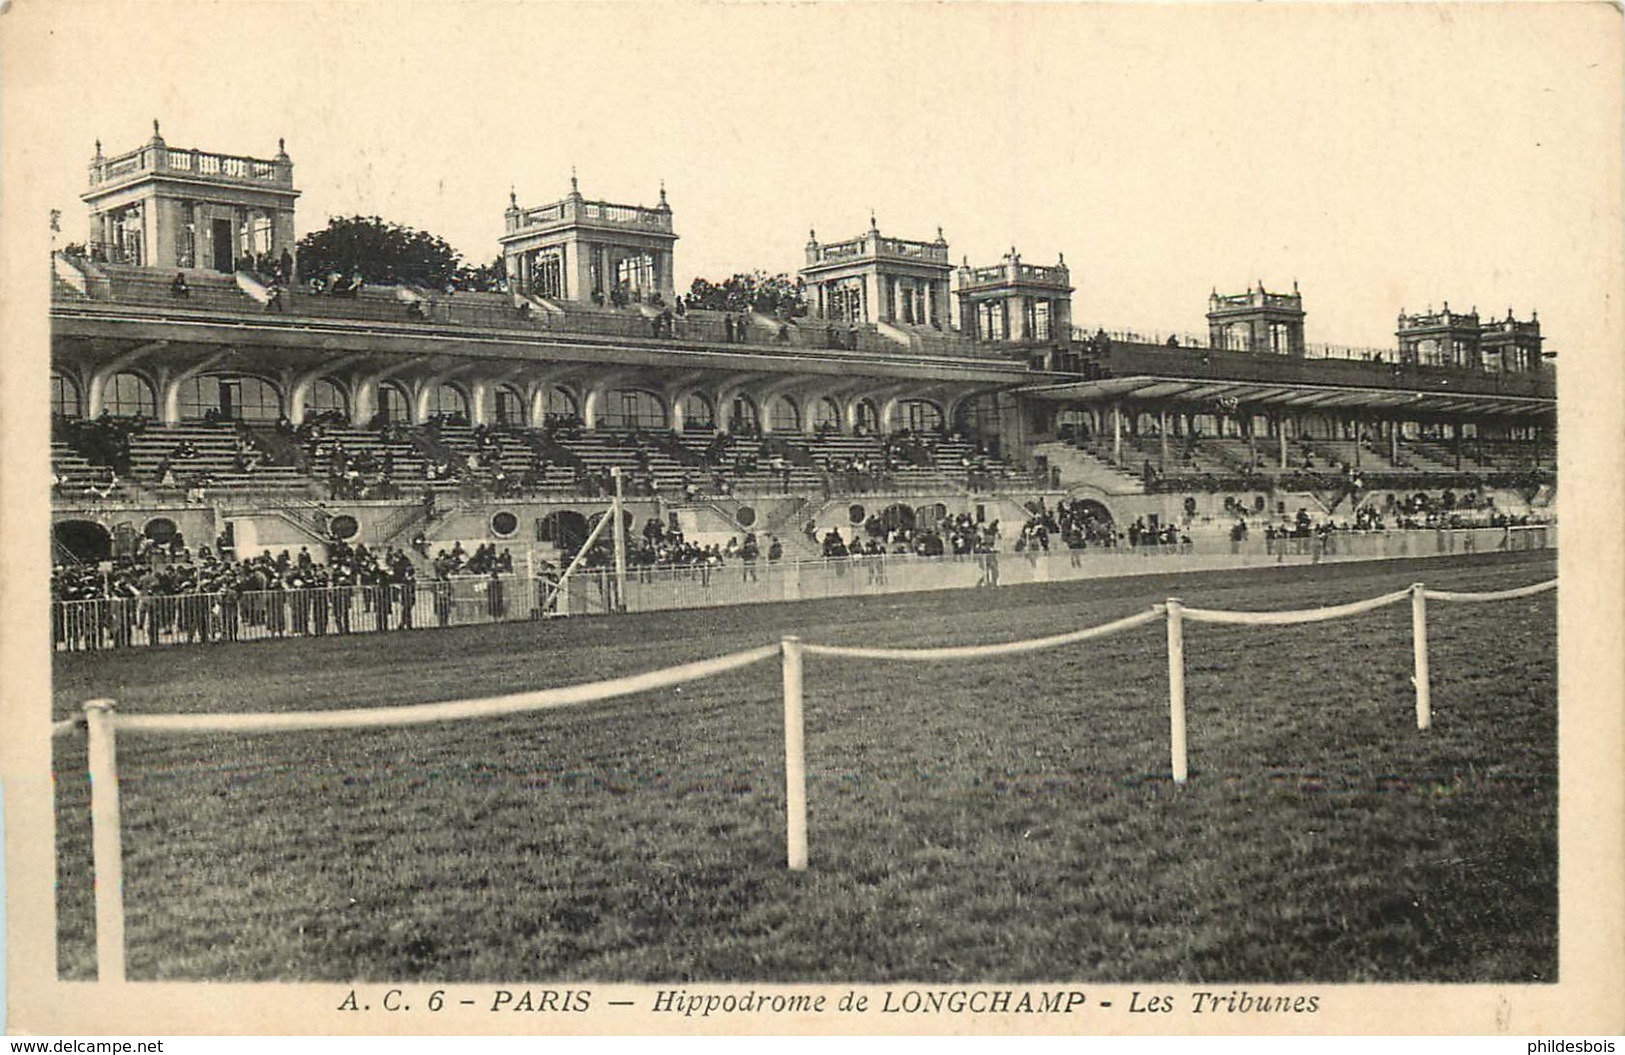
(1005, 819)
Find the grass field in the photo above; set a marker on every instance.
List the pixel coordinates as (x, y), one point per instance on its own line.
(1008, 819)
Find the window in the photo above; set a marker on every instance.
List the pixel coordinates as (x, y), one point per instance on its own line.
(547, 274)
(392, 403)
(990, 320)
(326, 397)
(743, 419)
(784, 415)
(249, 399)
(631, 409)
(126, 395)
(1040, 327)
(448, 401)
(635, 273)
(921, 416)
(697, 413)
(1280, 338)
(259, 234)
(510, 409)
(64, 397)
(827, 415)
(561, 404)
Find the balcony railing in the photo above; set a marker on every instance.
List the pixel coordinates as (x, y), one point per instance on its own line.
(599, 212)
(1130, 354)
(157, 159)
(1056, 276)
(894, 247)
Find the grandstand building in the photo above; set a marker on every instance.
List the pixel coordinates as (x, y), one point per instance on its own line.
(193, 393)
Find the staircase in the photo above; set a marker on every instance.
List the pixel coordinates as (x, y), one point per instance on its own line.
(1079, 469)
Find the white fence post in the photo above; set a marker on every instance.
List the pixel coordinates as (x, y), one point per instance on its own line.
(107, 850)
(1176, 689)
(1419, 640)
(795, 757)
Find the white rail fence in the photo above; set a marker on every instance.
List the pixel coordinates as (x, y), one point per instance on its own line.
(103, 724)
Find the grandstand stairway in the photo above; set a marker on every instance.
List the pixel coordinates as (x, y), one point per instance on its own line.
(1081, 469)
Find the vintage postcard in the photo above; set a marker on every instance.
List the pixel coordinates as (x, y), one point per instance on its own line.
(826, 518)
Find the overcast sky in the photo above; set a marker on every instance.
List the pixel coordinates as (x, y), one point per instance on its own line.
(1382, 156)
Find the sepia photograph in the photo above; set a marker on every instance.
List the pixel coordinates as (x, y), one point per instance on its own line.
(834, 517)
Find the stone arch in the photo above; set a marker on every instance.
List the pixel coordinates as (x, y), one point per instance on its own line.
(85, 540)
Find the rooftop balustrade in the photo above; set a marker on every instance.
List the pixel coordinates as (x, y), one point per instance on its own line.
(159, 159)
(578, 210)
(1126, 357)
(873, 245)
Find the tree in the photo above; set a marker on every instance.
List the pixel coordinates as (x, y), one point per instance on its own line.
(757, 291)
(382, 251)
(482, 278)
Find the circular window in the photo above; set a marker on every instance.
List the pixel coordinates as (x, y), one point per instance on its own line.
(1190, 505)
(159, 529)
(504, 524)
(856, 514)
(746, 516)
(343, 527)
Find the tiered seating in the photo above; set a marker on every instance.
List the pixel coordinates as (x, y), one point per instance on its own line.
(739, 451)
(605, 449)
(209, 290)
(215, 460)
(1428, 457)
(518, 449)
(1233, 452)
(928, 340)
(407, 465)
(74, 471)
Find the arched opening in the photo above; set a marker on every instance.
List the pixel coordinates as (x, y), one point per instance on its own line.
(217, 398)
(742, 417)
(560, 405)
(160, 530)
(898, 517)
(507, 407)
(784, 415)
(866, 417)
(631, 408)
(327, 398)
(1092, 510)
(393, 406)
(84, 540)
(126, 395)
(919, 415)
(565, 528)
(448, 402)
(697, 414)
(826, 415)
(64, 396)
(978, 416)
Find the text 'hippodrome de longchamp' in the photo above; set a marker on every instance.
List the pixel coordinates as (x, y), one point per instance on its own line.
(892, 1001)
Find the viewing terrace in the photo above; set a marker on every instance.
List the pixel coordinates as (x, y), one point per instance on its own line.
(158, 159)
(876, 245)
(1114, 356)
